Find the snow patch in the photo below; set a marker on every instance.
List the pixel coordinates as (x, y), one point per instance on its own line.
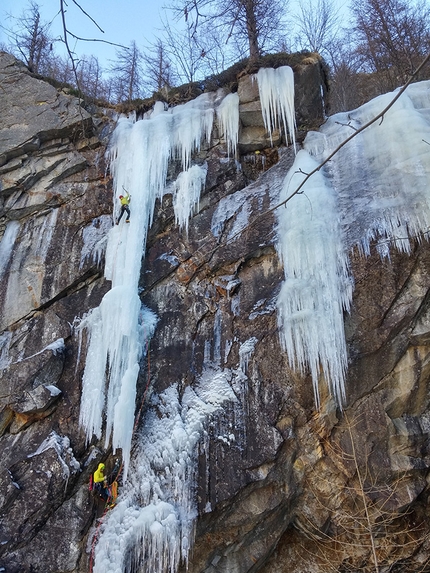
(172, 259)
(53, 390)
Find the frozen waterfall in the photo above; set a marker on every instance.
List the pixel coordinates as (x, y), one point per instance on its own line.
(154, 519)
(377, 187)
(155, 516)
(119, 329)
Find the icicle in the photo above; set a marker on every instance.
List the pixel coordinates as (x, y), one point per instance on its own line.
(276, 88)
(317, 287)
(228, 116)
(245, 351)
(186, 195)
(387, 202)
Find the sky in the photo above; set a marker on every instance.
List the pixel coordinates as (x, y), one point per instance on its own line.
(121, 20)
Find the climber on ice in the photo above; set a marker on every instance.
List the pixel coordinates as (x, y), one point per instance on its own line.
(125, 202)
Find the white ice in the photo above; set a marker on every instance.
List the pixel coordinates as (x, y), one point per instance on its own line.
(186, 195)
(317, 288)
(61, 445)
(377, 187)
(154, 519)
(245, 351)
(94, 238)
(228, 119)
(276, 89)
(55, 347)
(118, 329)
(7, 243)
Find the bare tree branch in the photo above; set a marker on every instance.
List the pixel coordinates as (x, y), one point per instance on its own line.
(88, 16)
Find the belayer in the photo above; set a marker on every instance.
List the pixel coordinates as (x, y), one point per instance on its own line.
(100, 482)
(125, 202)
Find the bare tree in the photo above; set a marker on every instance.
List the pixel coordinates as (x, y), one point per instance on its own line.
(69, 35)
(90, 77)
(346, 89)
(393, 36)
(318, 24)
(254, 21)
(159, 71)
(185, 52)
(365, 521)
(31, 40)
(127, 71)
(60, 68)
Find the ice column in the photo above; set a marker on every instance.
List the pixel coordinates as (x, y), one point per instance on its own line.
(120, 327)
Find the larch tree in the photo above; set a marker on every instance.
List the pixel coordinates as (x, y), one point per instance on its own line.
(392, 36)
(256, 22)
(159, 71)
(127, 71)
(185, 52)
(31, 40)
(90, 78)
(317, 22)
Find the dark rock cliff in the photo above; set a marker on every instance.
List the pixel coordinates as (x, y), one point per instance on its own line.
(299, 490)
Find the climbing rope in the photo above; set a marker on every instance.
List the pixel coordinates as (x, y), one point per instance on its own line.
(108, 504)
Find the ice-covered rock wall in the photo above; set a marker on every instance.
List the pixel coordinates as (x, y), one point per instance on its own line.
(317, 289)
(230, 451)
(343, 207)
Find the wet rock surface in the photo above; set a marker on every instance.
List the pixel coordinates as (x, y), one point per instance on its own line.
(289, 487)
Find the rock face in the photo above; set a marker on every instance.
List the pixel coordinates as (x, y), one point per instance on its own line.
(299, 490)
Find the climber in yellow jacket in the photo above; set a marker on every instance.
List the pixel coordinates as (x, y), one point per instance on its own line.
(100, 482)
(125, 202)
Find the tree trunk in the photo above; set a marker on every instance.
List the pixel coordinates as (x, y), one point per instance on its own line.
(251, 29)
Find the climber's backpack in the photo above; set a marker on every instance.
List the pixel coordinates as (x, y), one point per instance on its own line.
(91, 483)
